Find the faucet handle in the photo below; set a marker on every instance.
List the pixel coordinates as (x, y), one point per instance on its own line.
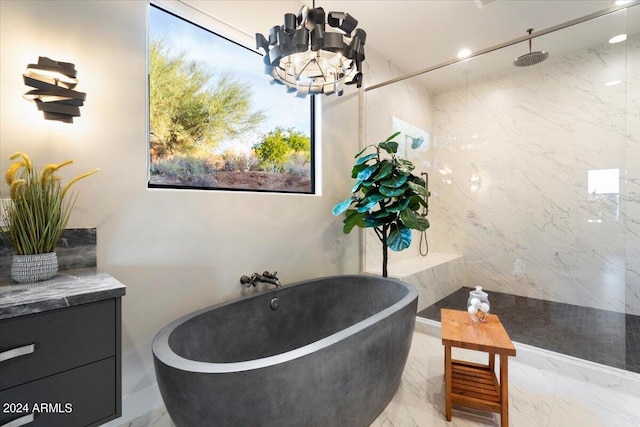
(246, 280)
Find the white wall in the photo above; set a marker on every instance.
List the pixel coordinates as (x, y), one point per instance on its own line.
(177, 251)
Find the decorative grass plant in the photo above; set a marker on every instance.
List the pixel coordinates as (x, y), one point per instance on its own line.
(39, 211)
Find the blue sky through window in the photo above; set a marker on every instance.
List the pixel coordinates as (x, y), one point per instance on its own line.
(281, 108)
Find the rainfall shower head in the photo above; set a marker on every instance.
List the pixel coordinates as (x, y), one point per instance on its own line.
(531, 58)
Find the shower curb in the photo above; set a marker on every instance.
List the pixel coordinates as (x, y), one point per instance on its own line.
(579, 369)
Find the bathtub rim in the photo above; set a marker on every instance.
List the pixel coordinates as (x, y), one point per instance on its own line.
(164, 354)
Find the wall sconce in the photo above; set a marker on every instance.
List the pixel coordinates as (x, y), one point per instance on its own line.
(54, 82)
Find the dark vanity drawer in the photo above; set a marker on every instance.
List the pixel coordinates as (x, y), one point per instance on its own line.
(62, 339)
(80, 397)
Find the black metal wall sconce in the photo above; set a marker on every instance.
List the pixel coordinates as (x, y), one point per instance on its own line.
(54, 82)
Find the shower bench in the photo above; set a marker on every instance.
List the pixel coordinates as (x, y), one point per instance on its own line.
(472, 384)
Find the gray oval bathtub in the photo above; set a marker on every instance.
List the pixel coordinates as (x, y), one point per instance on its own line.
(332, 354)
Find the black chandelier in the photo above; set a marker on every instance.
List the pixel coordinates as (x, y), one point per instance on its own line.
(53, 83)
(310, 60)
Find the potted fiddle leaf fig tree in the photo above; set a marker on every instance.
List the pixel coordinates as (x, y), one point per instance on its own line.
(385, 197)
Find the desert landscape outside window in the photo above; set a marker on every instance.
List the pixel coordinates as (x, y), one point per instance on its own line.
(215, 119)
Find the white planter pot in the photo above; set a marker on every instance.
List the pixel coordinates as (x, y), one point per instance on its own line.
(34, 268)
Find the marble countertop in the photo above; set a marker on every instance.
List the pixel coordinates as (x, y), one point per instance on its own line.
(67, 288)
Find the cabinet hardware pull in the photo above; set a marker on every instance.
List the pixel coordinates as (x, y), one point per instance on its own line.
(27, 419)
(16, 352)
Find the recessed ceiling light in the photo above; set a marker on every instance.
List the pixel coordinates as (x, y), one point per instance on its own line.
(613, 83)
(463, 53)
(621, 2)
(617, 39)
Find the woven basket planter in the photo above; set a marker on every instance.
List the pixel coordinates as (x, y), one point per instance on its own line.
(34, 268)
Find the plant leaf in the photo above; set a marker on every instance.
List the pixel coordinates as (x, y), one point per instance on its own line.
(342, 206)
(365, 173)
(418, 189)
(363, 150)
(356, 169)
(411, 220)
(370, 201)
(426, 221)
(400, 205)
(415, 203)
(404, 166)
(383, 214)
(365, 208)
(371, 221)
(392, 136)
(399, 238)
(390, 147)
(394, 181)
(385, 170)
(366, 158)
(392, 192)
(356, 186)
(352, 219)
(417, 180)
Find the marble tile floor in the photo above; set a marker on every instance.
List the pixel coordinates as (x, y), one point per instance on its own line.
(538, 396)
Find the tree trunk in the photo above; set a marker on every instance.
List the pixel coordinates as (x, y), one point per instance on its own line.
(385, 254)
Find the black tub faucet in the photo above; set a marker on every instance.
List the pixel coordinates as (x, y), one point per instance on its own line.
(265, 277)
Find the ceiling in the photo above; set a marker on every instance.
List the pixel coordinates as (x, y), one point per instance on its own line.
(420, 34)
(417, 34)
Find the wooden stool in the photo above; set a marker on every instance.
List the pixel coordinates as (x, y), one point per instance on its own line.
(472, 384)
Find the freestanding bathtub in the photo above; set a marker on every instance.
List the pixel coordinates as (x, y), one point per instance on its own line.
(331, 354)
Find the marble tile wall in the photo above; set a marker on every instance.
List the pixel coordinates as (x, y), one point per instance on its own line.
(632, 217)
(509, 160)
(437, 281)
(435, 276)
(531, 138)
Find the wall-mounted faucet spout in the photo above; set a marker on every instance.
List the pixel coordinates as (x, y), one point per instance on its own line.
(265, 277)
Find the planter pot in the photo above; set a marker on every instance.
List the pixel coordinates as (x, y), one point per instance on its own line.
(34, 268)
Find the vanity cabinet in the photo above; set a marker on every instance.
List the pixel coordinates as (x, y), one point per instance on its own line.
(62, 366)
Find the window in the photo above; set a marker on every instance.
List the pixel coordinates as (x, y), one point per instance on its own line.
(604, 195)
(603, 181)
(215, 119)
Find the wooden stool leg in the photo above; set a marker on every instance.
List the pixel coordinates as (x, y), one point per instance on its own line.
(492, 362)
(504, 391)
(447, 380)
